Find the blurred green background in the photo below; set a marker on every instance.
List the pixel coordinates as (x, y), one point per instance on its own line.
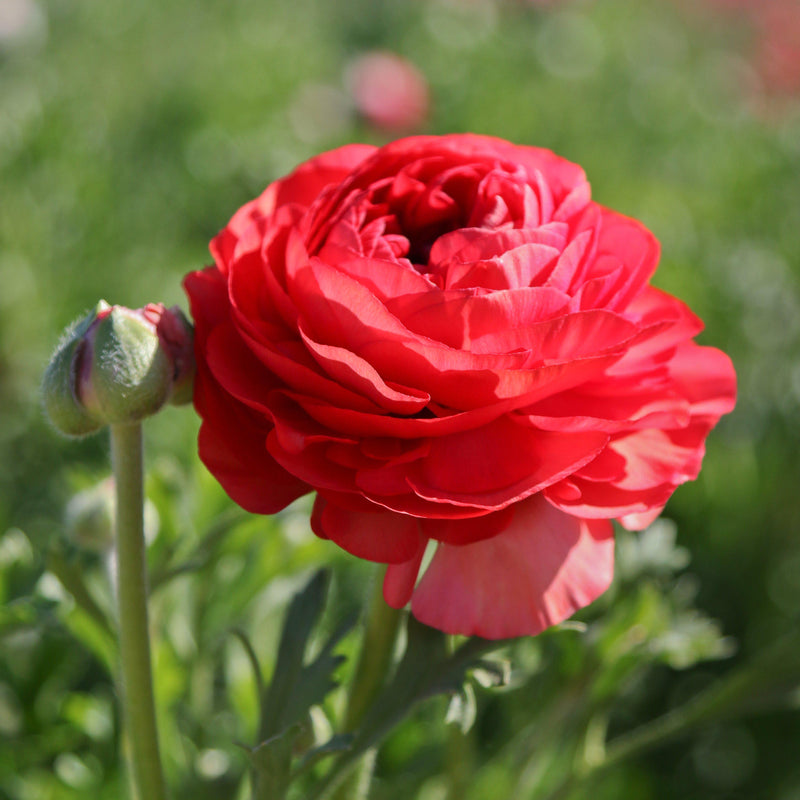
(129, 133)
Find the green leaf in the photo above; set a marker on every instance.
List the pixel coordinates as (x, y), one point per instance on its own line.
(425, 670)
(462, 709)
(654, 551)
(339, 743)
(492, 673)
(295, 687)
(271, 764)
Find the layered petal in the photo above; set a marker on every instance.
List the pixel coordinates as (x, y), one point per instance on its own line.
(539, 570)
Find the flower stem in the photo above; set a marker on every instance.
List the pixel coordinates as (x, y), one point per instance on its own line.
(719, 702)
(460, 758)
(769, 678)
(138, 706)
(377, 648)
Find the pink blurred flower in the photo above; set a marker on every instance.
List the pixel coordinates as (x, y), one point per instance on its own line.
(388, 91)
(777, 48)
(774, 49)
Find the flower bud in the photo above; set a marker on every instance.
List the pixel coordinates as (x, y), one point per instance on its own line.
(119, 366)
(89, 517)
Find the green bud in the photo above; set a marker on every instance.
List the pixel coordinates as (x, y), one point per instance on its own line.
(59, 385)
(89, 517)
(119, 366)
(126, 375)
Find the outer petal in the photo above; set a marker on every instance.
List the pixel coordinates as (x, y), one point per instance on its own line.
(375, 536)
(208, 300)
(303, 186)
(232, 444)
(627, 255)
(305, 183)
(545, 566)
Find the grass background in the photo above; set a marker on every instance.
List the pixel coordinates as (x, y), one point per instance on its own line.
(131, 131)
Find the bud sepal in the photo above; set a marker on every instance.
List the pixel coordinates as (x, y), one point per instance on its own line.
(117, 366)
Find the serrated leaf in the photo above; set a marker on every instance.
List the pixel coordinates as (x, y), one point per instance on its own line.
(463, 709)
(691, 638)
(654, 551)
(425, 670)
(492, 673)
(335, 745)
(294, 687)
(271, 763)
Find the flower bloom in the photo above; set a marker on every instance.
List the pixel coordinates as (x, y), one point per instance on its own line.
(450, 343)
(774, 48)
(777, 58)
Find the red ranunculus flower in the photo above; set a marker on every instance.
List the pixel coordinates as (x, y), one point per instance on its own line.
(450, 343)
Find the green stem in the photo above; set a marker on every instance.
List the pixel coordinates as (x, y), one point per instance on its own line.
(714, 704)
(460, 760)
(70, 577)
(377, 648)
(138, 706)
(745, 690)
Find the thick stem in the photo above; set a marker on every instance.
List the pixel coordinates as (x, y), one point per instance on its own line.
(377, 648)
(138, 706)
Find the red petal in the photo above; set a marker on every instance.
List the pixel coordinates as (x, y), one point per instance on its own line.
(232, 444)
(501, 463)
(208, 300)
(375, 536)
(305, 183)
(348, 369)
(628, 241)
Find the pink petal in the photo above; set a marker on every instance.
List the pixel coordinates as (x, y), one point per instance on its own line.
(594, 500)
(514, 269)
(399, 580)
(457, 318)
(628, 241)
(387, 280)
(654, 457)
(705, 376)
(638, 522)
(540, 570)
(565, 338)
(468, 245)
(471, 529)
